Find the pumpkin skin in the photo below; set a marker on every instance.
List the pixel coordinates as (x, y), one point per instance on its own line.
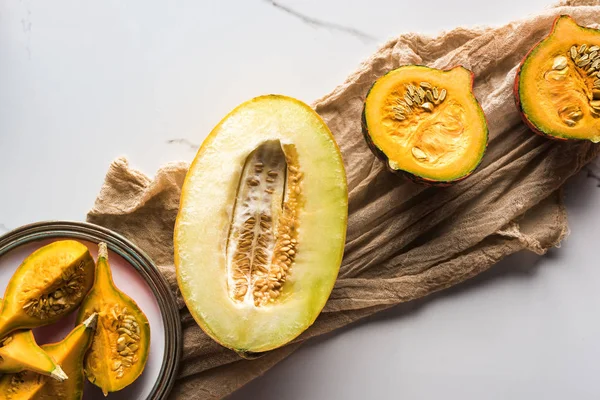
(269, 140)
(426, 124)
(556, 97)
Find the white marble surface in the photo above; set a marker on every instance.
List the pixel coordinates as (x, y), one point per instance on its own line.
(82, 82)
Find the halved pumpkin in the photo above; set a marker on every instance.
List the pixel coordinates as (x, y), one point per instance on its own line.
(557, 87)
(261, 227)
(426, 123)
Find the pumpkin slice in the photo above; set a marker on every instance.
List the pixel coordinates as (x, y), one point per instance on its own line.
(557, 87)
(48, 285)
(121, 342)
(426, 123)
(19, 352)
(261, 227)
(69, 353)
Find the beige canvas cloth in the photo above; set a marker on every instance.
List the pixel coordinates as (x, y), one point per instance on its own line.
(404, 240)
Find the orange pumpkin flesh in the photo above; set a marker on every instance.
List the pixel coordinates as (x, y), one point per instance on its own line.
(557, 88)
(426, 123)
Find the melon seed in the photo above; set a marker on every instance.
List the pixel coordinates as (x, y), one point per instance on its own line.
(257, 232)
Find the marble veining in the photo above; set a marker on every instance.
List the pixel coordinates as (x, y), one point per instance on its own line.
(184, 142)
(3, 228)
(324, 24)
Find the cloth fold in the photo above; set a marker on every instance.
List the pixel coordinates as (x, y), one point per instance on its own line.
(404, 240)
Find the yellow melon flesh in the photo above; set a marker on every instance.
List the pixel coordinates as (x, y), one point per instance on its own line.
(260, 233)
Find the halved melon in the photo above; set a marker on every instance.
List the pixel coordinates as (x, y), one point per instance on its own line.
(260, 233)
(557, 87)
(426, 123)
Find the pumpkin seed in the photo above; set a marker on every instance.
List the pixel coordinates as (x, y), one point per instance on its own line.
(418, 153)
(573, 52)
(442, 95)
(417, 99)
(126, 352)
(560, 62)
(582, 63)
(429, 96)
(427, 106)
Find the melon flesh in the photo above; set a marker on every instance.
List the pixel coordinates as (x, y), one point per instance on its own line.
(260, 233)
